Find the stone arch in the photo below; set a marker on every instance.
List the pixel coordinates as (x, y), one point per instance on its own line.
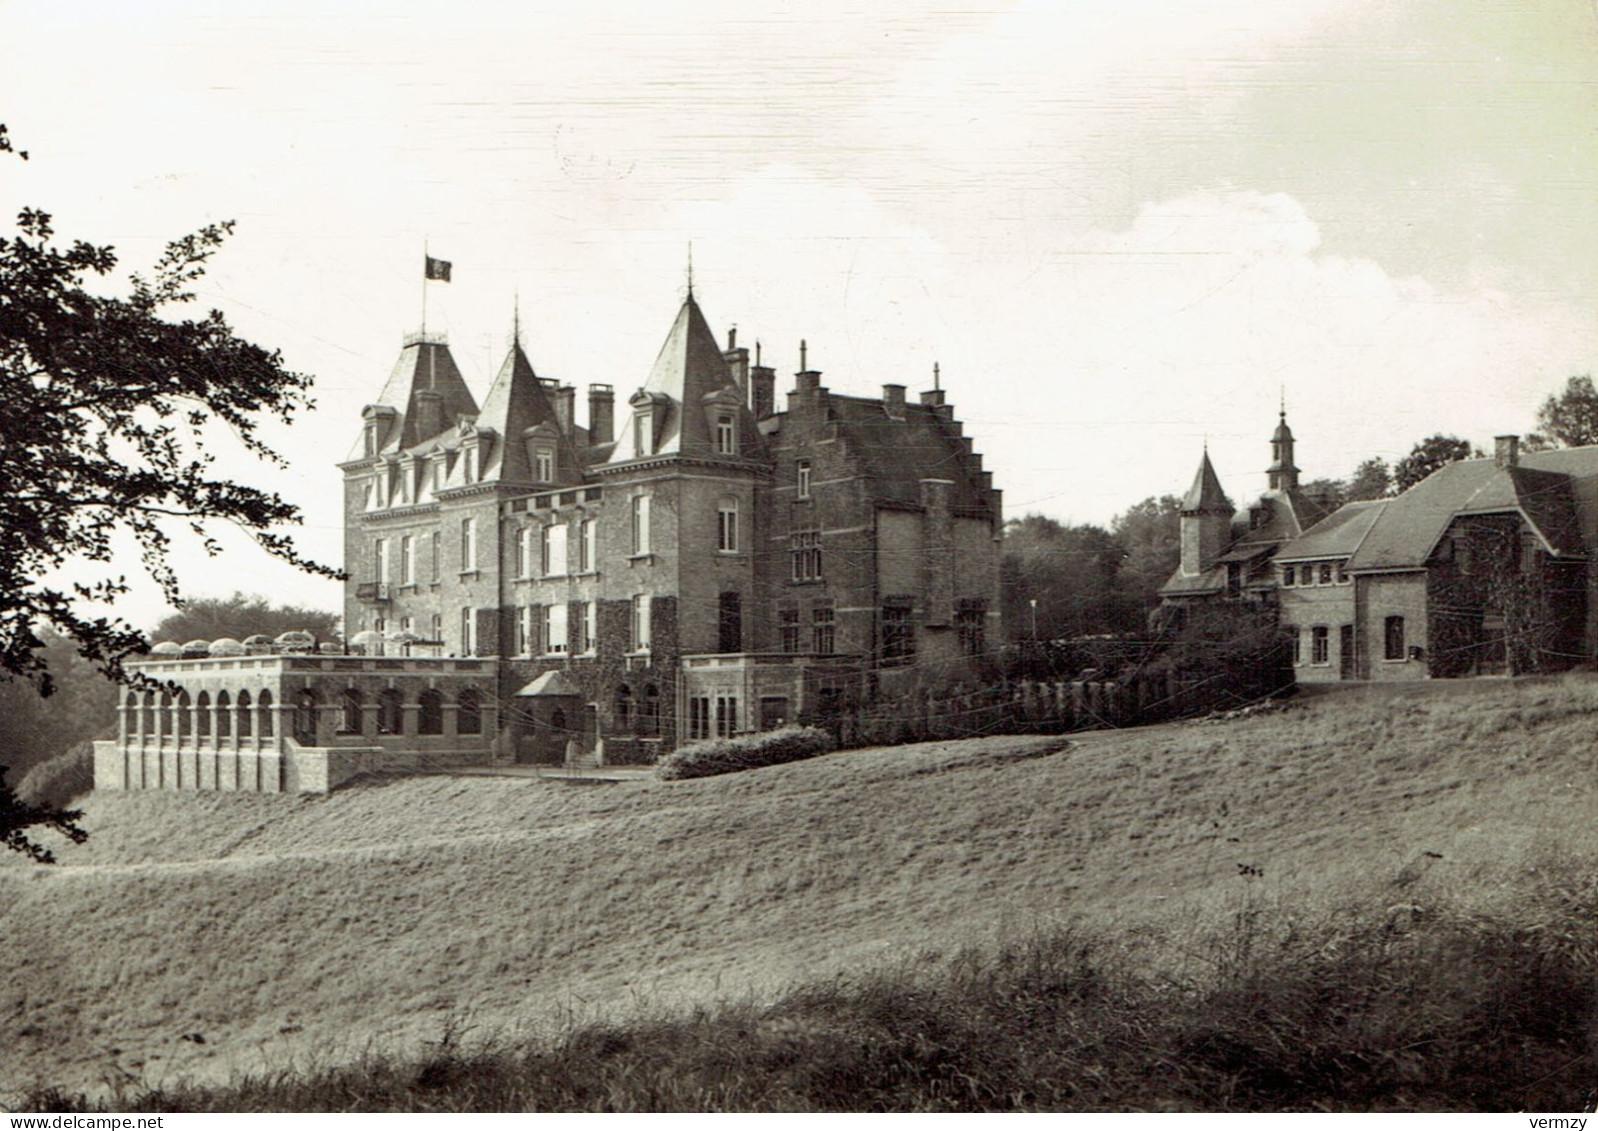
(430, 715)
(242, 706)
(224, 715)
(202, 714)
(305, 707)
(469, 712)
(390, 711)
(263, 709)
(353, 702)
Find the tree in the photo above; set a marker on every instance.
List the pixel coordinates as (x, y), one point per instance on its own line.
(1571, 418)
(1427, 456)
(1150, 533)
(1070, 571)
(110, 409)
(241, 615)
(1372, 479)
(82, 706)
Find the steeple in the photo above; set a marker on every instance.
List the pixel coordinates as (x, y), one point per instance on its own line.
(1282, 473)
(1206, 496)
(1206, 520)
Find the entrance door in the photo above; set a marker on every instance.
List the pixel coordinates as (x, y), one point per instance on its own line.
(1345, 652)
(773, 712)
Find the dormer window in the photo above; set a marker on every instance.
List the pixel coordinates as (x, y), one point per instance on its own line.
(438, 472)
(544, 465)
(643, 434)
(369, 444)
(726, 435)
(469, 465)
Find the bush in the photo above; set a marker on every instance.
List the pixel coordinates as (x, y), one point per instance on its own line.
(729, 755)
(59, 780)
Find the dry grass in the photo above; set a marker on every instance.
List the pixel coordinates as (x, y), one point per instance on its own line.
(296, 933)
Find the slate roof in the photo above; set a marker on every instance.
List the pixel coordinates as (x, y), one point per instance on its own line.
(1405, 533)
(689, 369)
(1206, 493)
(1337, 535)
(421, 365)
(898, 453)
(517, 401)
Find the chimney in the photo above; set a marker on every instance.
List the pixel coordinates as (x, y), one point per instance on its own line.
(429, 413)
(893, 401)
(737, 364)
(565, 407)
(601, 414)
(762, 391)
(807, 378)
(1506, 451)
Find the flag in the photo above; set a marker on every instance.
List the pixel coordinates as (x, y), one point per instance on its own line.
(437, 269)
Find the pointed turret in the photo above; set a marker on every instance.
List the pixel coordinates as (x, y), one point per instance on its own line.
(1206, 520)
(522, 414)
(423, 396)
(689, 400)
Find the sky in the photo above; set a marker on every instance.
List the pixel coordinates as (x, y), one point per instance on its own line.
(1123, 229)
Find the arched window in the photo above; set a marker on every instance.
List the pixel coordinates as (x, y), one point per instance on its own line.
(624, 708)
(202, 715)
(649, 720)
(263, 708)
(305, 705)
(469, 712)
(353, 701)
(149, 712)
(430, 718)
(130, 711)
(557, 721)
(183, 715)
(166, 713)
(390, 712)
(224, 715)
(245, 730)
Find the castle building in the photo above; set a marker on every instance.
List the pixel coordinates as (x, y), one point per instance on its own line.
(692, 563)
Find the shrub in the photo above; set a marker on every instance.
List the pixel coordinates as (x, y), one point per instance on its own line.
(61, 779)
(750, 752)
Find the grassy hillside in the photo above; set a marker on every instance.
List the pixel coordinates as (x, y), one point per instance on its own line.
(206, 936)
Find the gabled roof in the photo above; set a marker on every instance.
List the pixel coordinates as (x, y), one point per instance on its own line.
(1337, 535)
(1408, 528)
(555, 683)
(421, 366)
(1206, 493)
(689, 369)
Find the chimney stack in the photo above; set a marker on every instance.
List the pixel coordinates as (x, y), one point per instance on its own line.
(565, 407)
(893, 401)
(429, 413)
(762, 387)
(807, 378)
(1506, 451)
(601, 414)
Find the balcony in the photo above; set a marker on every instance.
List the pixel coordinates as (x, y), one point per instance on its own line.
(375, 592)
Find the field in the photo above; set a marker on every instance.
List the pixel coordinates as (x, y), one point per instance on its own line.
(203, 938)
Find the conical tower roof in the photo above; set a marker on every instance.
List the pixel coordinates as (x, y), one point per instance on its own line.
(518, 401)
(689, 372)
(422, 366)
(1206, 496)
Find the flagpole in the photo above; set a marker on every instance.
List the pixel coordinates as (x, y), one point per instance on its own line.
(424, 286)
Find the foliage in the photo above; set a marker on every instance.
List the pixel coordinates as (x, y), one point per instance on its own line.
(61, 780)
(82, 706)
(1369, 1005)
(241, 615)
(1372, 479)
(1072, 574)
(1235, 653)
(111, 409)
(1571, 417)
(1429, 455)
(1150, 533)
(17, 816)
(747, 752)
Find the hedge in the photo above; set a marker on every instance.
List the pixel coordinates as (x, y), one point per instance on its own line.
(748, 752)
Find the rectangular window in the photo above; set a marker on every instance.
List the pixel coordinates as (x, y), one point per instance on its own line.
(522, 555)
(1395, 638)
(788, 629)
(1298, 643)
(407, 560)
(804, 551)
(545, 461)
(699, 717)
(1326, 573)
(1320, 648)
(640, 632)
(727, 526)
(437, 633)
(1287, 576)
(553, 558)
(382, 560)
(824, 629)
(524, 631)
(578, 619)
(588, 546)
(590, 627)
(643, 437)
(802, 471)
(468, 544)
(554, 629)
(726, 435)
(467, 635)
(970, 622)
(438, 557)
(640, 524)
(898, 636)
(726, 716)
